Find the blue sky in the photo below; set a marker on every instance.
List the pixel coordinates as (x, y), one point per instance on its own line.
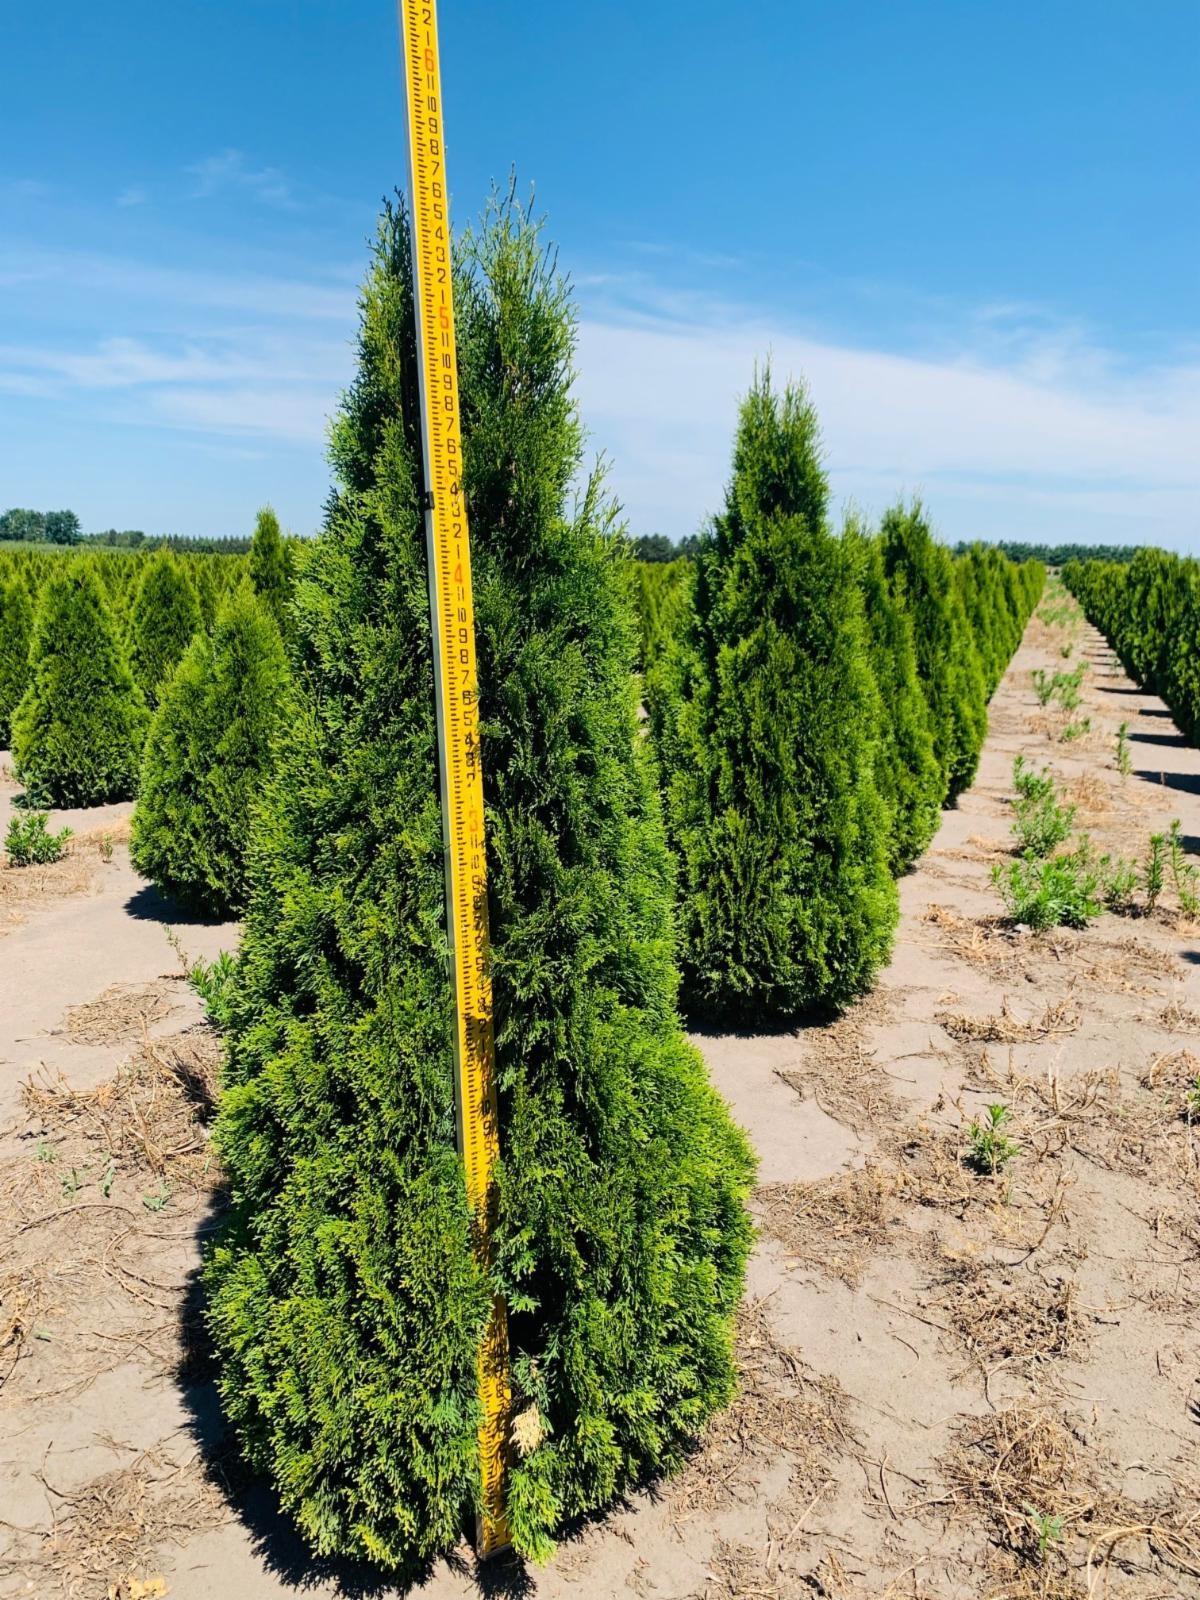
(974, 228)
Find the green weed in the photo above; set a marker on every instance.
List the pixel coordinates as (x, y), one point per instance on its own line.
(28, 843)
(1124, 759)
(989, 1149)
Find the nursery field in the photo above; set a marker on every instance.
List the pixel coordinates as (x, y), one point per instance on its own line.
(968, 1351)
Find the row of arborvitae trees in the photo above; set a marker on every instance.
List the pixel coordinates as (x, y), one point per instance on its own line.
(1149, 611)
(815, 698)
(822, 697)
(346, 1300)
(174, 711)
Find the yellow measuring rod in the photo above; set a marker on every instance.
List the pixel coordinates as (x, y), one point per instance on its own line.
(457, 691)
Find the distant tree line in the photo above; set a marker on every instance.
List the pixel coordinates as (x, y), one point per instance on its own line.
(657, 547)
(21, 526)
(1055, 555)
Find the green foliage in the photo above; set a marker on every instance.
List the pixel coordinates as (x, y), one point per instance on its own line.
(16, 633)
(906, 770)
(1040, 823)
(78, 730)
(989, 1149)
(661, 593)
(948, 662)
(346, 1303)
(767, 720)
(1123, 758)
(165, 616)
(270, 568)
(1154, 870)
(29, 843)
(206, 759)
(1054, 891)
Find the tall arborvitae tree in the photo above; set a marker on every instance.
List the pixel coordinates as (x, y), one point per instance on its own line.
(907, 770)
(922, 572)
(78, 730)
(346, 1302)
(766, 719)
(16, 632)
(269, 565)
(206, 759)
(165, 615)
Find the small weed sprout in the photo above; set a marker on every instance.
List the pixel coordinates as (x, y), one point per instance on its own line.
(160, 1199)
(106, 847)
(1154, 871)
(1120, 887)
(28, 843)
(1048, 1528)
(1185, 876)
(1124, 759)
(1040, 823)
(213, 982)
(989, 1149)
(1029, 783)
(1058, 891)
(1075, 730)
(1043, 685)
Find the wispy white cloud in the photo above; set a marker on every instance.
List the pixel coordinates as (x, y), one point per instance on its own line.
(1019, 421)
(230, 170)
(329, 297)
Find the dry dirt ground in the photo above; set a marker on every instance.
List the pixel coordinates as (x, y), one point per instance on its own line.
(954, 1382)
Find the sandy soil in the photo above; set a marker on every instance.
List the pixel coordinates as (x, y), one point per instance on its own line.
(955, 1382)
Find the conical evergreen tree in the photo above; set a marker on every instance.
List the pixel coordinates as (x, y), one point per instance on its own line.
(208, 591)
(165, 616)
(270, 569)
(206, 759)
(16, 633)
(907, 770)
(78, 730)
(947, 662)
(346, 1304)
(766, 718)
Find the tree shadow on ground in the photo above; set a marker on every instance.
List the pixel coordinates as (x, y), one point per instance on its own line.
(150, 904)
(1121, 689)
(1184, 782)
(1175, 739)
(252, 1498)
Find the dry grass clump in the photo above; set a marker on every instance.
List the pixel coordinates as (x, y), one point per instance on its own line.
(98, 1236)
(1058, 1528)
(124, 1011)
(783, 1411)
(147, 1115)
(1003, 1318)
(1060, 1017)
(74, 873)
(833, 1224)
(105, 1533)
(1175, 1017)
(841, 1073)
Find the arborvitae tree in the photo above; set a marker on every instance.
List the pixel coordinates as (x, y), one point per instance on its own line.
(16, 631)
(206, 759)
(270, 569)
(208, 593)
(948, 664)
(165, 616)
(907, 770)
(767, 719)
(346, 1303)
(78, 730)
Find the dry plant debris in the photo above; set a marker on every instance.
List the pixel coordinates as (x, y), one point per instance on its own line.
(85, 856)
(1059, 1017)
(123, 1012)
(841, 1074)
(833, 1224)
(104, 1531)
(783, 1411)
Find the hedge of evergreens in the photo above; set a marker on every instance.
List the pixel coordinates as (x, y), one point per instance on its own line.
(346, 1303)
(814, 700)
(1149, 611)
(207, 756)
(77, 732)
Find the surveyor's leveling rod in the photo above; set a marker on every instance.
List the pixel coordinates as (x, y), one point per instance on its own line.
(456, 687)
